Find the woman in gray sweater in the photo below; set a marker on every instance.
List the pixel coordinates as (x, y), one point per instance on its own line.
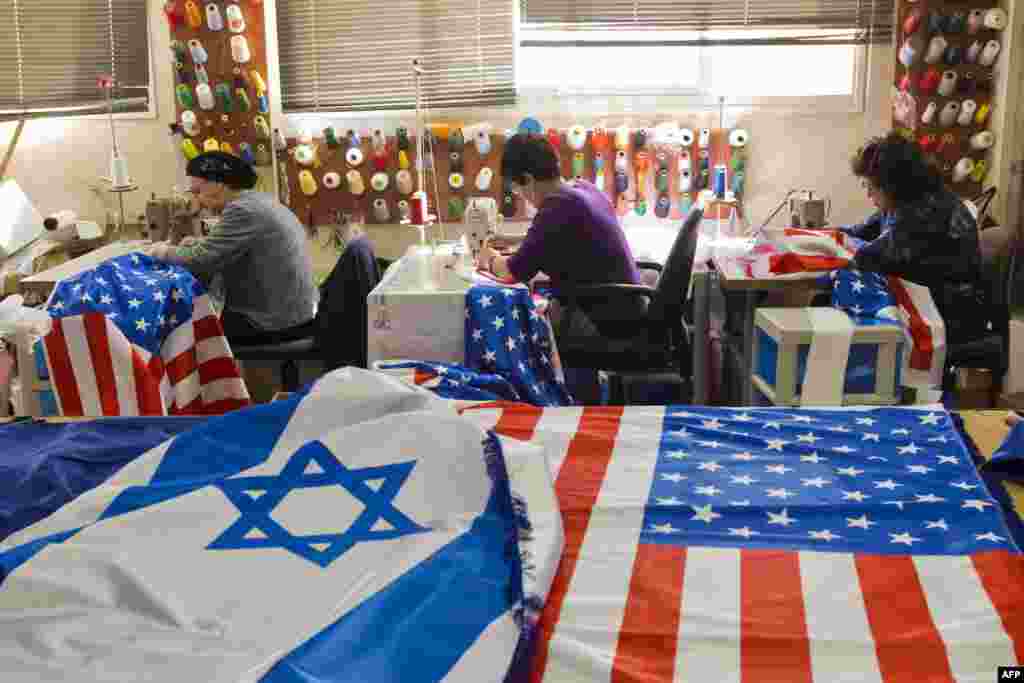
(258, 247)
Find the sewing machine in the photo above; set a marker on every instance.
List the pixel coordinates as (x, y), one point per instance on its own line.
(170, 219)
(808, 212)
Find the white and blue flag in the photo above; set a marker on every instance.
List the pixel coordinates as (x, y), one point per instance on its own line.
(360, 532)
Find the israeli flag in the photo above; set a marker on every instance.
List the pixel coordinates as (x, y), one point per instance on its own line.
(360, 532)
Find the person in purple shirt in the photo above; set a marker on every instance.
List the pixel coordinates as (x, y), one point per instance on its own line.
(574, 238)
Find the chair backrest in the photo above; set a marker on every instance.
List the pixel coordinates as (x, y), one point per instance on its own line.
(674, 282)
(341, 315)
(997, 246)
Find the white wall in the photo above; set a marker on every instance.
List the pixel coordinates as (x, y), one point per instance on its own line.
(58, 162)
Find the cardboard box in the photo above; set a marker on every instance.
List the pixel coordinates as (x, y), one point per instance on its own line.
(1011, 401)
(1013, 383)
(976, 399)
(974, 379)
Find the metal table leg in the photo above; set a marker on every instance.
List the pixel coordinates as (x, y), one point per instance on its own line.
(749, 304)
(701, 304)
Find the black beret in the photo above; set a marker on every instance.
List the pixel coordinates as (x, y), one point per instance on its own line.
(221, 167)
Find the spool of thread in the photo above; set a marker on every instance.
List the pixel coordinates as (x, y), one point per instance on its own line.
(720, 182)
(973, 52)
(910, 51)
(929, 113)
(983, 140)
(936, 48)
(949, 113)
(947, 86)
(995, 19)
(975, 20)
(930, 81)
(119, 172)
(967, 110)
(982, 114)
(418, 208)
(738, 137)
(962, 169)
(61, 219)
(989, 53)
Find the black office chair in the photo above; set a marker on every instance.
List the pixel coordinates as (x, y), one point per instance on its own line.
(340, 335)
(992, 351)
(657, 345)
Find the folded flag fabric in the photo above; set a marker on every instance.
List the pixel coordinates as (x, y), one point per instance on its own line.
(452, 381)
(1008, 459)
(134, 336)
(871, 296)
(506, 335)
(707, 544)
(360, 532)
(47, 464)
(800, 254)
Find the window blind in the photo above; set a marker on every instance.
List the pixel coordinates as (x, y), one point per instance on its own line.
(52, 52)
(357, 55)
(734, 21)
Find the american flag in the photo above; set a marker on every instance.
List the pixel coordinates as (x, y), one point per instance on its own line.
(770, 545)
(800, 253)
(871, 296)
(448, 380)
(134, 336)
(508, 336)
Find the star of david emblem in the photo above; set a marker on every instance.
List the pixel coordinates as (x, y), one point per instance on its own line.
(256, 497)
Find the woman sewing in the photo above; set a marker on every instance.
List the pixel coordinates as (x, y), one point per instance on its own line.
(574, 238)
(260, 249)
(921, 232)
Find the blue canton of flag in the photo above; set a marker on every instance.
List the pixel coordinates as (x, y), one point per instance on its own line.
(863, 294)
(146, 299)
(134, 336)
(448, 380)
(505, 335)
(889, 481)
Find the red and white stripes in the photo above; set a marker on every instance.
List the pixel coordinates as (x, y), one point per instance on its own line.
(624, 611)
(97, 371)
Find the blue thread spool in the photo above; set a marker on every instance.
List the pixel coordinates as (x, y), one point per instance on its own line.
(719, 182)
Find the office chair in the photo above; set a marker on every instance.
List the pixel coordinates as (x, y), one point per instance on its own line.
(655, 345)
(340, 329)
(998, 247)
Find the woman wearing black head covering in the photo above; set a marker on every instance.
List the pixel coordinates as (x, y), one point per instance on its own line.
(922, 232)
(260, 249)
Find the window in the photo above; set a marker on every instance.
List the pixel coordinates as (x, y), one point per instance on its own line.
(356, 55)
(53, 52)
(747, 51)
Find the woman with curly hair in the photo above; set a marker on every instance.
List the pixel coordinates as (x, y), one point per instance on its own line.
(921, 232)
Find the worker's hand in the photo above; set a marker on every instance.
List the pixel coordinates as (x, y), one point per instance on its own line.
(483, 259)
(158, 250)
(188, 241)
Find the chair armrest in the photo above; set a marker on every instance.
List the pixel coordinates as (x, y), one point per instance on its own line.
(649, 265)
(605, 290)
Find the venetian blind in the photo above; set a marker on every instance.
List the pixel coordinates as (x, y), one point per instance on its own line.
(835, 21)
(357, 55)
(52, 53)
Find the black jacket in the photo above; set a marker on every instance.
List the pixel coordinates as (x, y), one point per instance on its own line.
(933, 242)
(341, 316)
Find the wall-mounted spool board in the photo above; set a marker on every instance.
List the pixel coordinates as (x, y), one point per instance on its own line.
(325, 204)
(960, 23)
(230, 121)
